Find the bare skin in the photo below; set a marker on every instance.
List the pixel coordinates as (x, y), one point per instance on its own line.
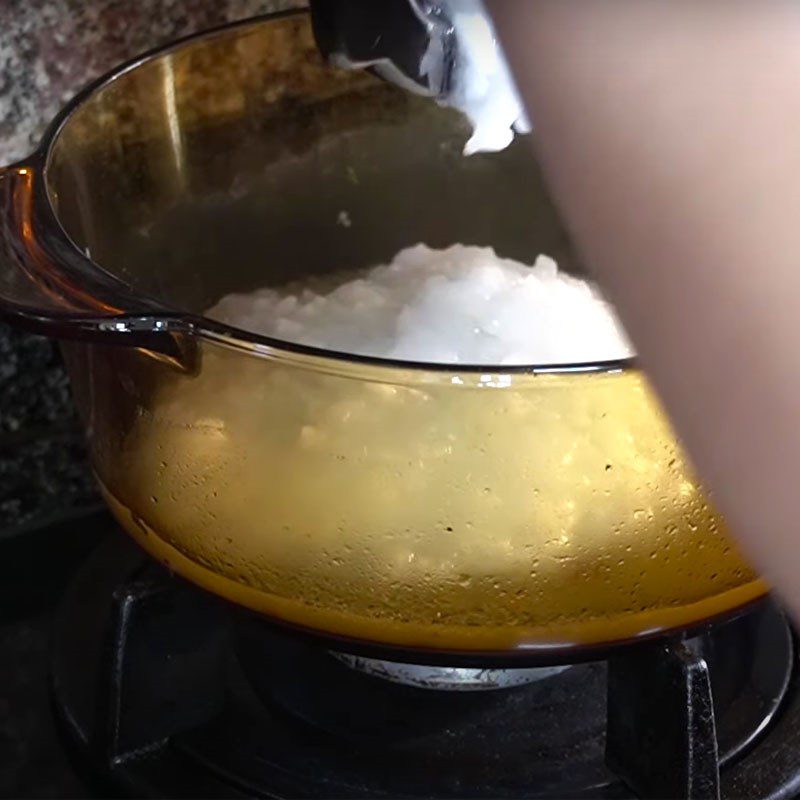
(670, 132)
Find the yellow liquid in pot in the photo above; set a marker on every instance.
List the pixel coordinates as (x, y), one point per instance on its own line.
(431, 634)
(544, 510)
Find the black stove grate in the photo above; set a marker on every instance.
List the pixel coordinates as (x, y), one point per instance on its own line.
(171, 694)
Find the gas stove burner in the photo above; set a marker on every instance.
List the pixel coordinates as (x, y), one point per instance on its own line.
(447, 679)
(169, 693)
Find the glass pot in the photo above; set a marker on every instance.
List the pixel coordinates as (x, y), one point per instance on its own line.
(459, 509)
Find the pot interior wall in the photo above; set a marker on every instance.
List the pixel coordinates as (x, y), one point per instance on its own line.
(242, 161)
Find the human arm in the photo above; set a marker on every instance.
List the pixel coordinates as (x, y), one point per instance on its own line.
(670, 133)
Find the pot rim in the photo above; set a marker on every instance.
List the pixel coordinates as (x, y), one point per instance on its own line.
(136, 313)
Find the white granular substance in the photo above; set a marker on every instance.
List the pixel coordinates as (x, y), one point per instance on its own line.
(462, 305)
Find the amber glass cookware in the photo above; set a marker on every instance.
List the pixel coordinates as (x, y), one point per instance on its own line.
(431, 508)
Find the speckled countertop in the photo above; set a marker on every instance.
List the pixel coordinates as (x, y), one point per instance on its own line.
(48, 50)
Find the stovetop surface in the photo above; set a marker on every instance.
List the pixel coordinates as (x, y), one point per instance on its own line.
(34, 571)
(37, 759)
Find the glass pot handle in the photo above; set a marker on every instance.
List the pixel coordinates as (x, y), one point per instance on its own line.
(49, 287)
